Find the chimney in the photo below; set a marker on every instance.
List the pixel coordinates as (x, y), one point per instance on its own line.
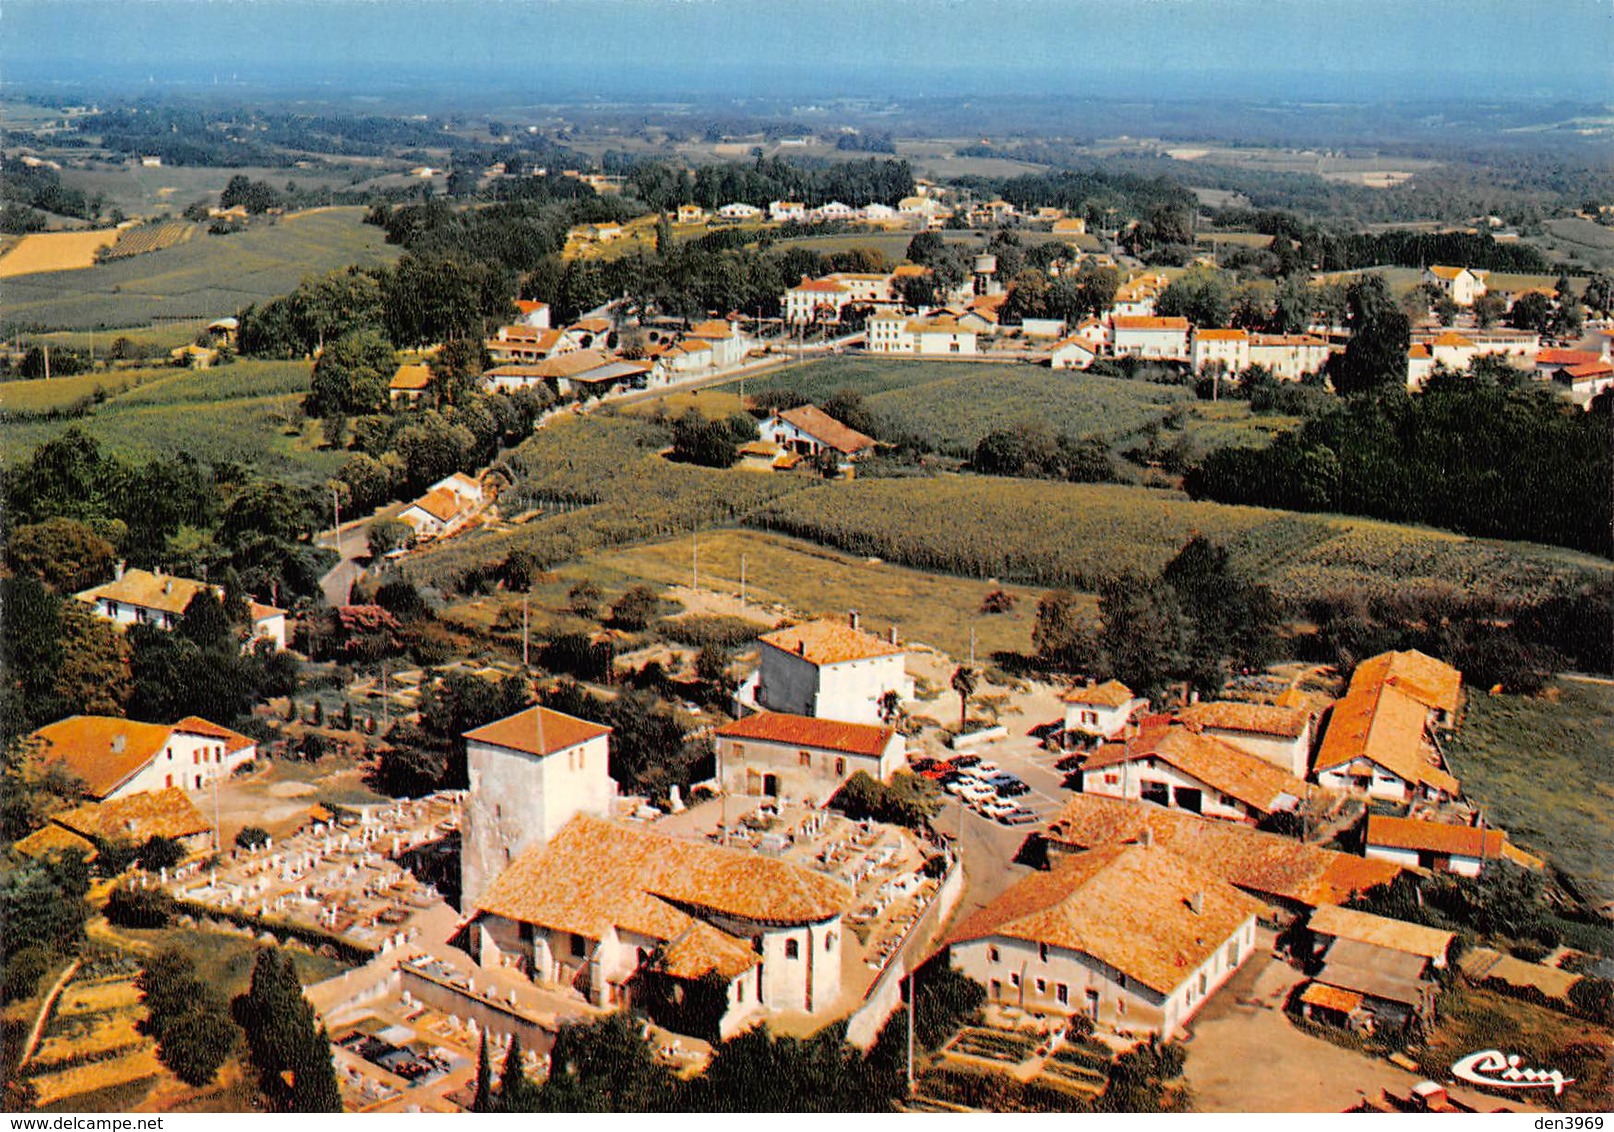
(801, 648)
(119, 741)
(891, 634)
(853, 619)
(168, 587)
(1197, 903)
(117, 571)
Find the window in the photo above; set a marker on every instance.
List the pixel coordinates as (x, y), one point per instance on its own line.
(1204, 984)
(498, 811)
(1042, 986)
(1112, 779)
(829, 941)
(804, 758)
(169, 781)
(739, 991)
(579, 946)
(792, 949)
(1042, 952)
(991, 955)
(1089, 717)
(1014, 978)
(1230, 802)
(1062, 993)
(1233, 954)
(840, 766)
(198, 782)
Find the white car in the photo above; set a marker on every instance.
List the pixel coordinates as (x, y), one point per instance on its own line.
(982, 770)
(975, 793)
(998, 808)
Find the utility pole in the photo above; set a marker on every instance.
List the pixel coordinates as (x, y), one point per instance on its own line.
(46, 349)
(742, 580)
(972, 646)
(694, 559)
(526, 661)
(218, 831)
(336, 518)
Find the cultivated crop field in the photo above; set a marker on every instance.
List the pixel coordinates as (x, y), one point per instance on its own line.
(1543, 766)
(1076, 535)
(205, 278)
(248, 412)
(140, 191)
(55, 251)
(949, 406)
(152, 238)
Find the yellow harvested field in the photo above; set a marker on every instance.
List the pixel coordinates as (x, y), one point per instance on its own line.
(92, 998)
(98, 1075)
(55, 251)
(113, 1032)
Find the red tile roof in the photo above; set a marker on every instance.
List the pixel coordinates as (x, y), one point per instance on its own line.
(824, 428)
(1434, 836)
(807, 731)
(1431, 682)
(1219, 765)
(103, 751)
(1147, 322)
(1263, 863)
(1383, 725)
(159, 813)
(1110, 694)
(520, 732)
(1552, 357)
(1253, 719)
(829, 641)
(1129, 906)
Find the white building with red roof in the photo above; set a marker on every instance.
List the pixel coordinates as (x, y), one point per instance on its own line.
(807, 430)
(776, 754)
(1148, 336)
(143, 597)
(1100, 709)
(530, 773)
(119, 758)
(828, 669)
(816, 300)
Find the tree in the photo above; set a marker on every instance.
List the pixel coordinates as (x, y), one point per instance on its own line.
(1532, 311)
(1489, 309)
(697, 440)
(386, 535)
(352, 376)
(433, 447)
(890, 707)
(605, 1065)
(1146, 634)
(251, 837)
(187, 1017)
(584, 598)
(517, 1093)
(292, 1055)
(635, 608)
(1066, 633)
(63, 553)
(482, 1101)
(964, 682)
(1204, 298)
(1376, 356)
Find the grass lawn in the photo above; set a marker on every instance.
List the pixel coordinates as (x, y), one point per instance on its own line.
(204, 278)
(1544, 768)
(934, 609)
(1471, 1019)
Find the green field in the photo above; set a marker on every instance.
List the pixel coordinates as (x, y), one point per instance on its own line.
(205, 278)
(41, 396)
(1543, 767)
(1076, 535)
(935, 609)
(139, 191)
(247, 413)
(948, 406)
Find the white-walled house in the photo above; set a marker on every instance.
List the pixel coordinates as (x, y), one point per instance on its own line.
(816, 300)
(438, 512)
(1219, 346)
(531, 312)
(797, 756)
(887, 332)
(1147, 336)
(940, 335)
(530, 773)
(829, 669)
(1281, 735)
(739, 210)
(1101, 709)
(141, 597)
(1463, 284)
(603, 906)
(1074, 352)
(118, 758)
(807, 430)
(1440, 847)
(1177, 767)
(727, 344)
(1132, 936)
(780, 211)
(1289, 357)
(1378, 740)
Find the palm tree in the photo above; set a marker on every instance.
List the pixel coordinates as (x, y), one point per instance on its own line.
(890, 707)
(964, 683)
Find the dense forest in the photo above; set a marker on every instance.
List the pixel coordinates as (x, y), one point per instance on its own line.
(1487, 457)
(857, 183)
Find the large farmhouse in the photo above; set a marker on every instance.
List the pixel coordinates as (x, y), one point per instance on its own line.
(830, 669)
(1133, 936)
(117, 758)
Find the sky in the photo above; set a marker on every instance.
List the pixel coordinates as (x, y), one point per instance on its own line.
(566, 49)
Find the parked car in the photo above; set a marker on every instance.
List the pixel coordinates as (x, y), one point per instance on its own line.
(962, 761)
(1012, 789)
(984, 770)
(998, 809)
(976, 793)
(1070, 762)
(921, 764)
(1018, 817)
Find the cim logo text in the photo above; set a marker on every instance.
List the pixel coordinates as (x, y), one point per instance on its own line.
(1502, 1071)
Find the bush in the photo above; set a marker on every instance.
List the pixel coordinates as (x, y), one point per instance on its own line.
(129, 907)
(23, 970)
(252, 837)
(907, 800)
(723, 631)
